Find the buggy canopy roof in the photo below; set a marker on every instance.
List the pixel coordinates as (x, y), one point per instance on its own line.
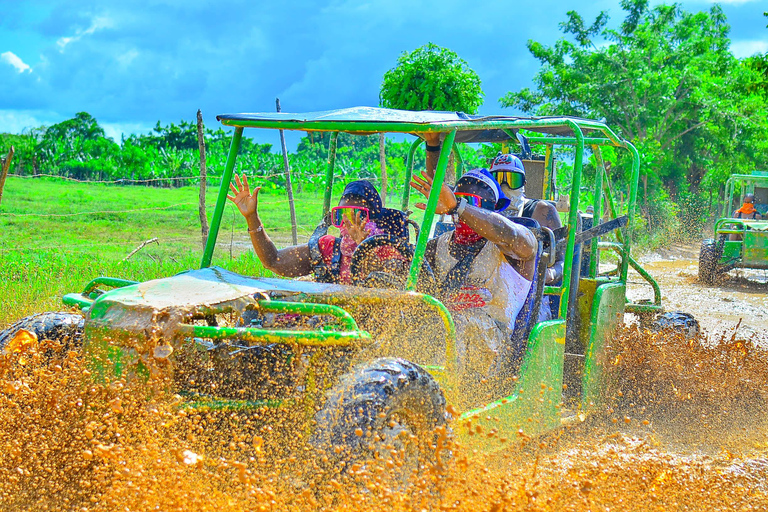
(366, 120)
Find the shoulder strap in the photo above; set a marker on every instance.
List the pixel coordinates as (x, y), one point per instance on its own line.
(529, 207)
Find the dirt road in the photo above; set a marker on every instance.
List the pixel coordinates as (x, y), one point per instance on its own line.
(740, 295)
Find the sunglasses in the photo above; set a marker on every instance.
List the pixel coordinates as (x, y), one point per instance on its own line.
(514, 180)
(339, 213)
(477, 201)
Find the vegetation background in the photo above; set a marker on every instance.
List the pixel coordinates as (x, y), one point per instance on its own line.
(77, 203)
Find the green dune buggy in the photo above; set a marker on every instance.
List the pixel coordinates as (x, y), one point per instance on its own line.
(362, 370)
(740, 241)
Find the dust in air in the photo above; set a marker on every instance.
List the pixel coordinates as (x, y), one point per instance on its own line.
(683, 427)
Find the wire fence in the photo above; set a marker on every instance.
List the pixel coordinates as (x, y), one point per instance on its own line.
(127, 181)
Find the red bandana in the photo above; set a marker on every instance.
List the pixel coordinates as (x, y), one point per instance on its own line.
(465, 235)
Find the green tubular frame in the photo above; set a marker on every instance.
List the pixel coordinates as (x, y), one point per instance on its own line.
(429, 212)
(602, 187)
(307, 338)
(634, 308)
(349, 336)
(309, 308)
(329, 173)
(84, 299)
(409, 172)
(597, 208)
(221, 200)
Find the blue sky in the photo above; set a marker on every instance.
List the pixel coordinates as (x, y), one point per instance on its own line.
(132, 63)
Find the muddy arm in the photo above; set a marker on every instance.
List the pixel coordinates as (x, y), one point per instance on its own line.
(292, 261)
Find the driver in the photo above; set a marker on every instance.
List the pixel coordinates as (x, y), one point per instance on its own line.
(748, 210)
(484, 267)
(359, 215)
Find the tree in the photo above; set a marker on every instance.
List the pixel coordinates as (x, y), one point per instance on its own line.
(431, 78)
(666, 79)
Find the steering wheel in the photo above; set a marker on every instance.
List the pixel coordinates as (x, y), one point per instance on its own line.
(382, 277)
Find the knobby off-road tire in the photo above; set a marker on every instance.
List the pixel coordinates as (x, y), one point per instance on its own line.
(708, 258)
(387, 408)
(677, 321)
(65, 328)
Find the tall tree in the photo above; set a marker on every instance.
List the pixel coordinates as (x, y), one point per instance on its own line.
(665, 78)
(431, 78)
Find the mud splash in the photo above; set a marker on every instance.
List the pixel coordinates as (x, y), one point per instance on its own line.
(683, 427)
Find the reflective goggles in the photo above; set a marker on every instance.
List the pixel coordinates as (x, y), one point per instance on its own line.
(477, 201)
(339, 213)
(513, 179)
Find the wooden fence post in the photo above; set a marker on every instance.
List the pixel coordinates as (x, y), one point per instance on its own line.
(383, 163)
(203, 178)
(4, 171)
(288, 184)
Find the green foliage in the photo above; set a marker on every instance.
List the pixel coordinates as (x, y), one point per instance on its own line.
(666, 79)
(431, 78)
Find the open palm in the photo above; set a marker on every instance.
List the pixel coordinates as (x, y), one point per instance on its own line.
(246, 202)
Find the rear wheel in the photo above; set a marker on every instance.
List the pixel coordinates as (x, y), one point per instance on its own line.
(708, 258)
(391, 411)
(676, 321)
(66, 328)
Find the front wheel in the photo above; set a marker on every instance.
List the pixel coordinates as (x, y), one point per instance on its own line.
(708, 258)
(389, 410)
(65, 328)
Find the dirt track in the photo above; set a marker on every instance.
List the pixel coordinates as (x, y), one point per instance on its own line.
(740, 295)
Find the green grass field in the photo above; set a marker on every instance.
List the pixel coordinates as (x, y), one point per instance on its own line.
(55, 236)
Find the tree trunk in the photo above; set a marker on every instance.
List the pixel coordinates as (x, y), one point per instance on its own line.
(203, 178)
(4, 170)
(288, 184)
(383, 163)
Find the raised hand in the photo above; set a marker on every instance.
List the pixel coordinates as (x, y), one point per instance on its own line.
(446, 202)
(356, 227)
(246, 202)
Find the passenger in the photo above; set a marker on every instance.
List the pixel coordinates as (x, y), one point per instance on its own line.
(358, 216)
(484, 267)
(747, 210)
(509, 172)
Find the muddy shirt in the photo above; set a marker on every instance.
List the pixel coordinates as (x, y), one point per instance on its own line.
(486, 305)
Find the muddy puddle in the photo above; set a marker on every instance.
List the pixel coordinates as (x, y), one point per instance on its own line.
(739, 298)
(684, 427)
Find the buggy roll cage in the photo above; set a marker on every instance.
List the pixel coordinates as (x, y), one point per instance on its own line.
(748, 182)
(458, 127)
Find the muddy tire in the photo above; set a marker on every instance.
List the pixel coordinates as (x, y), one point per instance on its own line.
(676, 321)
(66, 328)
(389, 407)
(709, 255)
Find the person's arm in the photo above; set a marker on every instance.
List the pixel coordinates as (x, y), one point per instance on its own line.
(432, 140)
(512, 239)
(289, 262)
(547, 216)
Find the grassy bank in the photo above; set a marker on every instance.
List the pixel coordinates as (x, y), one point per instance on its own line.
(55, 236)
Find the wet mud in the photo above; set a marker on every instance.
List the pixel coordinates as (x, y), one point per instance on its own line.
(684, 426)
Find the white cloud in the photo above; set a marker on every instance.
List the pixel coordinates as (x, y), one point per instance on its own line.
(15, 61)
(127, 57)
(116, 130)
(20, 121)
(744, 48)
(97, 23)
